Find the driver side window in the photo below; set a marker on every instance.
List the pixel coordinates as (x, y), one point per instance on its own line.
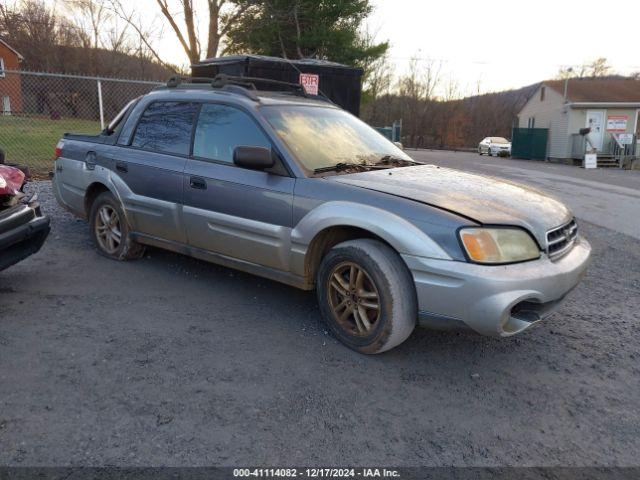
(221, 128)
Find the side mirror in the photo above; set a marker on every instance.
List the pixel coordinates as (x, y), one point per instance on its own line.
(253, 158)
(585, 131)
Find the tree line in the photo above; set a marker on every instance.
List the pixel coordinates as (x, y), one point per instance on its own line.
(434, 110)
(117, 38)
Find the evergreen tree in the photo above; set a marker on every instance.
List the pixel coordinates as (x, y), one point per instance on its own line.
(324, 29)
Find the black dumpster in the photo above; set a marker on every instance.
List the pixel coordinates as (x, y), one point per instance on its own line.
(340, 83)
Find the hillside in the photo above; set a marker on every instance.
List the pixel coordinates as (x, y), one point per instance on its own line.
(458, 123)
(44, 57)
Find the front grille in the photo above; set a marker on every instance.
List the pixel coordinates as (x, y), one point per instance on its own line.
(561, 239)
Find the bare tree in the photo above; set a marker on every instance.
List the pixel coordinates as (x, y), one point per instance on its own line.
(417, 92)
(181, 16)
(91, 16)
(377, 81)
(598, 67)
(146, 36)
(448, 110)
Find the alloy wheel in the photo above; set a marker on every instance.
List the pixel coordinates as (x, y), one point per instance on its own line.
(108, 230)
(354, 299)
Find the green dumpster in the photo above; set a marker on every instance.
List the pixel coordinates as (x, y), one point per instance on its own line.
(529, 143)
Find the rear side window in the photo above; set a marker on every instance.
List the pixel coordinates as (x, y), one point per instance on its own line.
(166, 127)
(221, 129)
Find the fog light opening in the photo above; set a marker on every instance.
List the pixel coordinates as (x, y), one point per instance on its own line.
(527, 311)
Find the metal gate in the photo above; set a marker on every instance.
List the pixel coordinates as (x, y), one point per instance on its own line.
(529, 143)
(393, 133)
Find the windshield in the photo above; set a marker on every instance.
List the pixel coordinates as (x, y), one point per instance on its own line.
(499, 140)
(324, 137)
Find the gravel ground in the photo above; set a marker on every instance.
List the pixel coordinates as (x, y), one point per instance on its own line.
(172, 361)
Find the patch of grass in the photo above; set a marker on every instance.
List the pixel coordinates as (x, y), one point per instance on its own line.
(32, 140)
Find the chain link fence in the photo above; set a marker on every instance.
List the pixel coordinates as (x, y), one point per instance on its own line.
(36, 109)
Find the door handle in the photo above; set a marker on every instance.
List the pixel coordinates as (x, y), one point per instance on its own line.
(122, 167)
(198, 183)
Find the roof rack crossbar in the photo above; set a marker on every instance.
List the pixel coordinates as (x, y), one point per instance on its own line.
(242, 85)
(250, 82)
(243, 88)
(176, 80)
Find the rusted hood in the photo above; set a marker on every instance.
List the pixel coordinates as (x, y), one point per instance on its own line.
(484, 199)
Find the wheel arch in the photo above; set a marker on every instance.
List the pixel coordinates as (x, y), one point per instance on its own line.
(335, 222)
(328, 238)
(91, 193)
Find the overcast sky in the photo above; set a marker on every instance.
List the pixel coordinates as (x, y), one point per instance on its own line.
(499, 43)
(509, 44)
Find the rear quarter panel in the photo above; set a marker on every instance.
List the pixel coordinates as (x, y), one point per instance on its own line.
(72, 177)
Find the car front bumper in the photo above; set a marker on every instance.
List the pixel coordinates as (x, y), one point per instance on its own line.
(495, 300)
(496, 151)
(23, 230)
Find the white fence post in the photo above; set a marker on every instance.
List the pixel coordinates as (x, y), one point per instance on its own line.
(100, 104)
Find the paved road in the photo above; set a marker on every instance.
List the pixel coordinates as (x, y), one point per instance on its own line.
(172, 361)
(606, 197)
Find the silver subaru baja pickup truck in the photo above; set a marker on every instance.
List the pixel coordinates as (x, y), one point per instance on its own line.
(292, 188)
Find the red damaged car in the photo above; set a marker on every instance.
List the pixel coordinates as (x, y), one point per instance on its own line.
(23, 227)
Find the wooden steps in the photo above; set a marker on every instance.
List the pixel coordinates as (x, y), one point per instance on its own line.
(607, 161)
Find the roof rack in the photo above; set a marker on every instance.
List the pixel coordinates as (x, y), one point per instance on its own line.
(243, 85)
(243, 88)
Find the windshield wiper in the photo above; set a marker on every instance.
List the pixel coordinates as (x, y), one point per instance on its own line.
(341, 166)
(386, 161)
(391, 159)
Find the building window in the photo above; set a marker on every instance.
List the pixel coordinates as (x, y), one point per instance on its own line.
(542, 92)
(1, 67)
(531, 123)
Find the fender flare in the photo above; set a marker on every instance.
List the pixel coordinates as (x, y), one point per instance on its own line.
(398, 232)
(113, 183)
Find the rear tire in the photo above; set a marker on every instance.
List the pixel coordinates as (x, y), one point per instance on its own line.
(110, 230)
(367, 296)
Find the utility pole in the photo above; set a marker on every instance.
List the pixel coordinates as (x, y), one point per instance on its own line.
(566, 83)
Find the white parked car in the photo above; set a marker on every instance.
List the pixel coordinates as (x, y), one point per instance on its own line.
(494, 145)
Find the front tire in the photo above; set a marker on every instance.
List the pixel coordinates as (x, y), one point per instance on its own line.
(367, 296)
(110, 231)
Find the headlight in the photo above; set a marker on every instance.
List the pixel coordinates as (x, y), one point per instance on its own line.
(498, 245)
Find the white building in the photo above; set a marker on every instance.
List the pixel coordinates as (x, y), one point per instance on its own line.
(610, 107)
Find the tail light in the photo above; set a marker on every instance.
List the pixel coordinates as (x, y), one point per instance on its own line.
(59, 148)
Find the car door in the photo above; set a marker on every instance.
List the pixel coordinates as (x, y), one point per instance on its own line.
(151, 166)
(228, 210)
